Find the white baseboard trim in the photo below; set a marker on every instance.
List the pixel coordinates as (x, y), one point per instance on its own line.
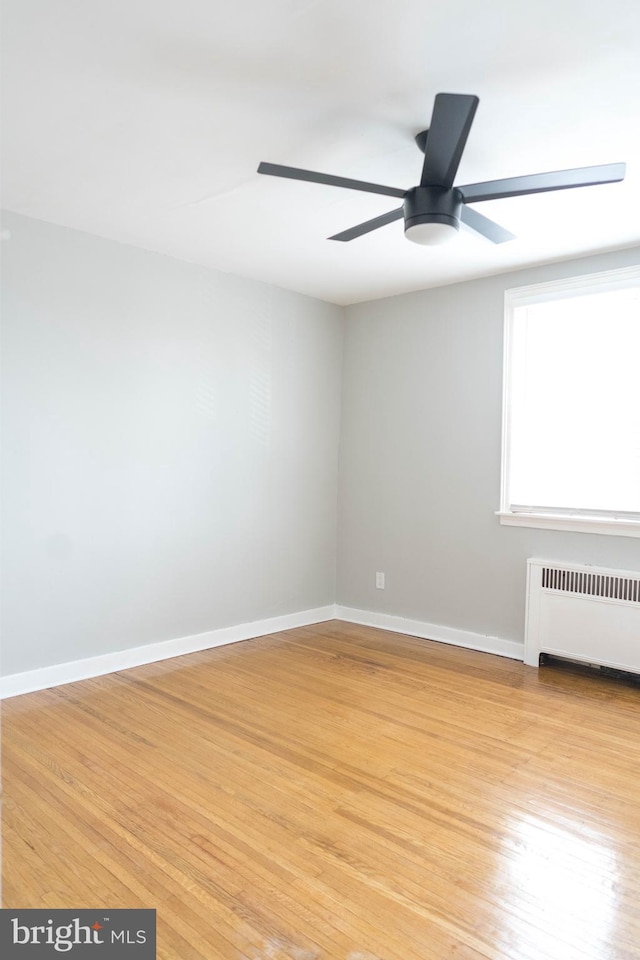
(432, 631)
(42, 678)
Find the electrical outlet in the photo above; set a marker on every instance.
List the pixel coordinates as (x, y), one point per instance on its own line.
(380, 581)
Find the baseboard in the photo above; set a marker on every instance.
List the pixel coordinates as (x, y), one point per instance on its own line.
(42, 678)
(432, 631)
(16, 684)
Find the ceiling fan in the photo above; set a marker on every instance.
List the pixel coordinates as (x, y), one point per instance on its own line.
(433, 210)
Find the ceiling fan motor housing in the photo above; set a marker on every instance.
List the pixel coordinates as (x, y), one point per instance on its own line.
(432, 205)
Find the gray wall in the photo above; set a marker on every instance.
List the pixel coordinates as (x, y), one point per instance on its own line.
(170, 452)
(170, 440)
(420, 460)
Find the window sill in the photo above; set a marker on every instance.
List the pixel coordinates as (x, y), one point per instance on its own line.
(574, 524)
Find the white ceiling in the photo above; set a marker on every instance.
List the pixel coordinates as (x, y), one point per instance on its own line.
(145, 120)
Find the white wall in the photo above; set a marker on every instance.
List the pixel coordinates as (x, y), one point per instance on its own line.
(420, 461)
(170, 443)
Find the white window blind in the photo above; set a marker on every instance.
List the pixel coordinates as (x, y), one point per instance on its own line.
(571, 443)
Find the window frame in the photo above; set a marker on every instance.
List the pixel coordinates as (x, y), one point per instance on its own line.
(578, 520)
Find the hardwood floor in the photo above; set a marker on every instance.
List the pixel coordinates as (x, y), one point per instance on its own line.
(335, 793)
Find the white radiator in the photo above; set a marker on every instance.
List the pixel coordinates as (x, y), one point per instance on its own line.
(584, 613)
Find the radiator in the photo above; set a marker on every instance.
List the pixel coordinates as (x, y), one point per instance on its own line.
(585, 613)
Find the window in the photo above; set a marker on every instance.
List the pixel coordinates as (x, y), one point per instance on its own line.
(571, 417)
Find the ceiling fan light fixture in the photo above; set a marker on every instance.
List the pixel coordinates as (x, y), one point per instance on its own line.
(432, 210)
(431, 215)
(432, 233)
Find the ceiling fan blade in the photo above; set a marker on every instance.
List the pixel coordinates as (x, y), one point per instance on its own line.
(294, 173)
(451, 121)
(370, 225)
(488, 228)
(543, 182)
